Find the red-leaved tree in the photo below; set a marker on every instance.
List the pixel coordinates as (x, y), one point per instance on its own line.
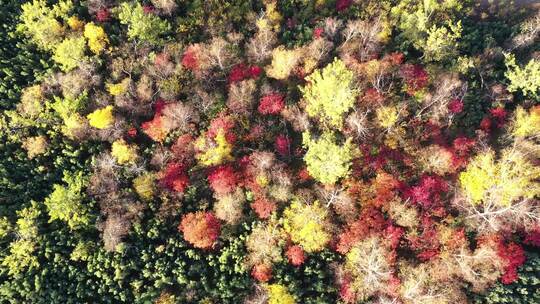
(223, 179)
(513, 256)
(271, 104)
(295, 255)
(174, 177)
(262, 272)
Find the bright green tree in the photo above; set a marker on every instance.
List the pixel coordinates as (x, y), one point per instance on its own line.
(142, 26)
(68, 109)
(428, 25)
(21, 250)
(525, 79)
(70, 53)
(442, 42)
(5, 227)
(41, 22)
(66, 201)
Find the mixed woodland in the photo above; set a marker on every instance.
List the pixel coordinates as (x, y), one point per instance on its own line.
(270, 151)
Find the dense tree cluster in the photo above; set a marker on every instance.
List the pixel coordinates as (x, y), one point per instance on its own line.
(272, 151)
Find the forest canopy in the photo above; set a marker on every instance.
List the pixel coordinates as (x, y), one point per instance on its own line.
(270, 151)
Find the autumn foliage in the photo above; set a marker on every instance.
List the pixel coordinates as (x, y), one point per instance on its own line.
(223, 179)
(271, 104)
(296, 255)
(201, 229)
(269, 151)
(174, 177)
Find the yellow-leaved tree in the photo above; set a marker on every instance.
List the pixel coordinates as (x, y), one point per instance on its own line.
(213, 152)
(330, 93)
(120, 88)
(500, 182)
(326, 160)
(497, 193)
(124, 152)
(144, 185)
(278, 294)
(101, 118)
(283, 63)
(526, 123)
(97, 38)
(308, 225)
